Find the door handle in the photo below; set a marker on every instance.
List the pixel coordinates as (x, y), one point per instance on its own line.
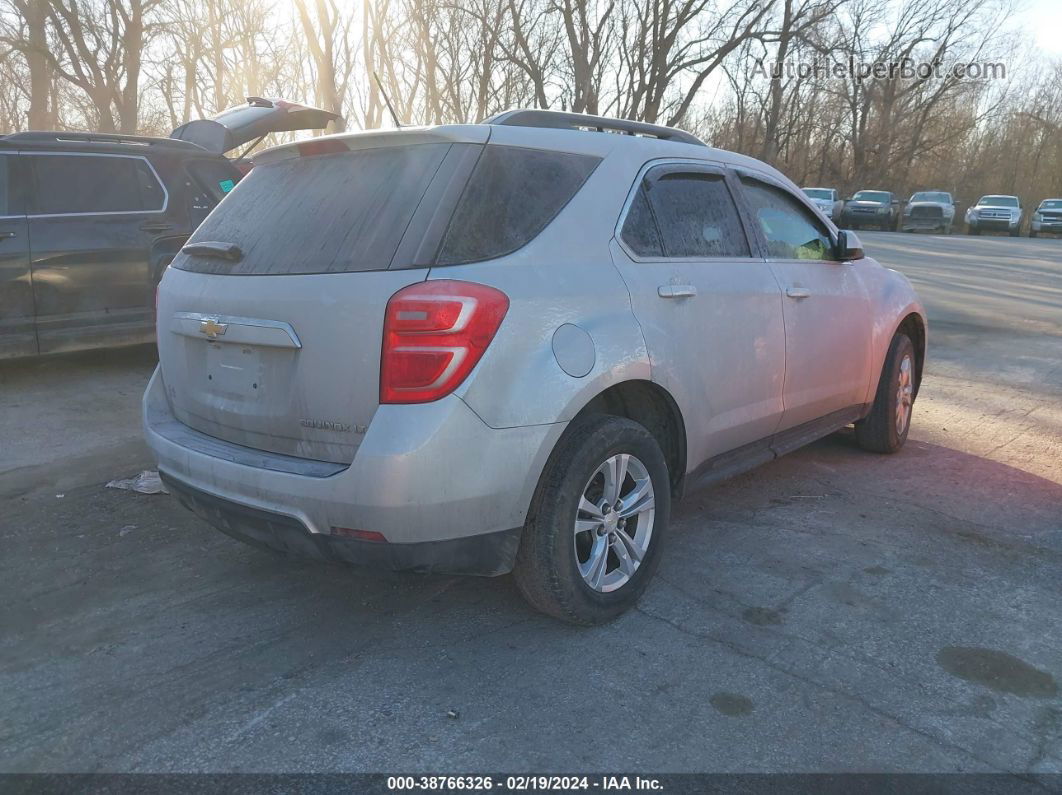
(155, 226)
(797, 292)
(7, 235)
(676, 291)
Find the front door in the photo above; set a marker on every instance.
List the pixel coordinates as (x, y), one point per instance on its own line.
(18, 336)
(92, 223)
(828, 316)
(710, 311)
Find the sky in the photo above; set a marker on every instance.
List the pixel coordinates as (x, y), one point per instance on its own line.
(1043, 20)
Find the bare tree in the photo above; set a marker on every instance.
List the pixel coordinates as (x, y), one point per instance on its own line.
(99, 50)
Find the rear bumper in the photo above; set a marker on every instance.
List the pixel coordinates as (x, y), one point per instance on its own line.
(423, 474)
(488, 554)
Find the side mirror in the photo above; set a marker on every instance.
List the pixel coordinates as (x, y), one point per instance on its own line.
(848, 246)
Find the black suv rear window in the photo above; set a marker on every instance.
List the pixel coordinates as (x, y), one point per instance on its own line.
(322, 214)
(512, 195)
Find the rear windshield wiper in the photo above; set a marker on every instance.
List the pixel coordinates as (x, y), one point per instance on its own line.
(229, 251)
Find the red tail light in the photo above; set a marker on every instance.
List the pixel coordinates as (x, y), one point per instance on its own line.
(434, 334)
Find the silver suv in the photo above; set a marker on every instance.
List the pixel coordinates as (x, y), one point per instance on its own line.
(510, 345)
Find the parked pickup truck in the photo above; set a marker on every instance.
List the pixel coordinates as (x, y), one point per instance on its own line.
(932, 210)
(826, 199)
(995, 213)
(1047, 219)
(877, 208)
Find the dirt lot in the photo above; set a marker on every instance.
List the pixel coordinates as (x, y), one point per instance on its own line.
(833, 611)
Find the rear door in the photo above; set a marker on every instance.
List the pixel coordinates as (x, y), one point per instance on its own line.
(828, 314)
(18, 336)
(710, 311)
(93, 219)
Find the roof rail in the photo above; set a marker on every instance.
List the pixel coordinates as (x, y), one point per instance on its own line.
(556, 119)
(60, 136)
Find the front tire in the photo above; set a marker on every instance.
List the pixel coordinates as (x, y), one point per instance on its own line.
(885, 429)
(597, 523)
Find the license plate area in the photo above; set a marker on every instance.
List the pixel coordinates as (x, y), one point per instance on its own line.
(235, 372)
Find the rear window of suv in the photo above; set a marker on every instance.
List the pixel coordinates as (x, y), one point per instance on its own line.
(348, 212)
(332, 213)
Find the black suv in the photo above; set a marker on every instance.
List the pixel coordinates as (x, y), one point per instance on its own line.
(88, 222)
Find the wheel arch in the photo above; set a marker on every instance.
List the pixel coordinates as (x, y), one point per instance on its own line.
(653, 407)
(914, 326)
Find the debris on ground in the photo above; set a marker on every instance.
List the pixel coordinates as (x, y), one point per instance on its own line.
(147, 482)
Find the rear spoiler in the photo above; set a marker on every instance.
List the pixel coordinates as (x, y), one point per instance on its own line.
(376, 139)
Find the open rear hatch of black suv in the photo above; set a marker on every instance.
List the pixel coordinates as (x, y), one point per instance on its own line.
(249, 123)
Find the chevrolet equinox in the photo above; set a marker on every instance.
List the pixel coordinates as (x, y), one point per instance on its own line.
(509, 346)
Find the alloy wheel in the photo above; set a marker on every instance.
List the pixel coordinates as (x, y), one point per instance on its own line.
(614, 522)
(904, 395)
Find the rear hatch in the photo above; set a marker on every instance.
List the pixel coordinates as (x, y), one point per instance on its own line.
(271, 318)
(251, 122)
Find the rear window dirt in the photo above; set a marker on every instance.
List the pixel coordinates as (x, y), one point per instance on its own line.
(322, 214)
(512, 195)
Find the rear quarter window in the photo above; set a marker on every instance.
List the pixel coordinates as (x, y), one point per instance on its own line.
(511, 196)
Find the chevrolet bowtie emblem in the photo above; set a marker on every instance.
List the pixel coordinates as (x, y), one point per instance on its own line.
(212, 328)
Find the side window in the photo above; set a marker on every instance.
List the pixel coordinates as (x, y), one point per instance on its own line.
(152, 196)
(639, 228)
(697, 216)
(5, 190)
(94, 184)
(12, 185)
(512, 195)
(791, 231)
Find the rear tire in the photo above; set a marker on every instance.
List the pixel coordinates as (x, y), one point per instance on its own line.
(882, 431)
(575, 562)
